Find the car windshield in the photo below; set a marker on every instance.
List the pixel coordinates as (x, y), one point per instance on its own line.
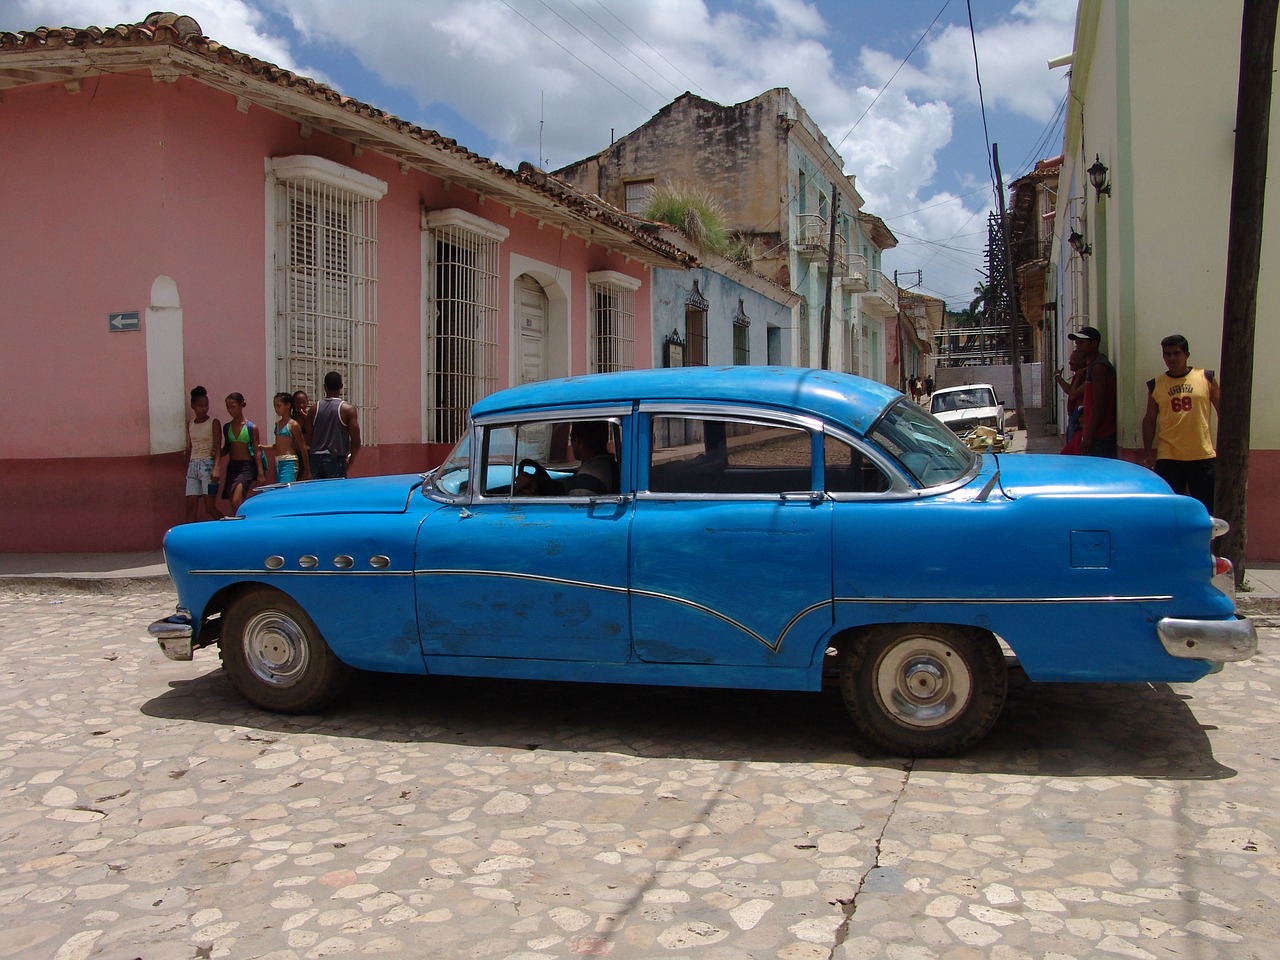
(925, 448)
(962, 400)
(451, 477)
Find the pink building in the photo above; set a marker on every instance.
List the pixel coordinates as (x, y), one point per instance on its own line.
(179, 213)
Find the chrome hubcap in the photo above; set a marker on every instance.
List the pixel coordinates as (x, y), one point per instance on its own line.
(923, 682)
(275, 648)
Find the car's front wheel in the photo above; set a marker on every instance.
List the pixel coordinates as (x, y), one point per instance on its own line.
(274, 655)
(924, 690)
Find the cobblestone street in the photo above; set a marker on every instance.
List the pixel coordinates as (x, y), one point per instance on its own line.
(148, 812)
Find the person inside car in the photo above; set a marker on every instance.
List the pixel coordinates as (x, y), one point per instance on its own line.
(597, 473)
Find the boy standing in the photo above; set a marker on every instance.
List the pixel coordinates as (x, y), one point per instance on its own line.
(1178, 421)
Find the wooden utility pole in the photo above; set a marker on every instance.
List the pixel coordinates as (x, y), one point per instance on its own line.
(1011, 295)
(831, 263)
(1244, 249)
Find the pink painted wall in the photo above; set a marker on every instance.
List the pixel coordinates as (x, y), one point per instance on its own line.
(130, 179)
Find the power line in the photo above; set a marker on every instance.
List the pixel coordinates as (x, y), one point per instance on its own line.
(901, 64)
(940, 203)
(576, 29)
(575, 56)
(650, 46)
(1041, 144)
(982, 104)
(607, 32)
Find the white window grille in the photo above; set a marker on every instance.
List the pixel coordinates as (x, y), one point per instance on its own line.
(741, 336)
(326, 270)
(802, 340)
(638, 194)
(613, 321)
(695, 328)
(461, 317)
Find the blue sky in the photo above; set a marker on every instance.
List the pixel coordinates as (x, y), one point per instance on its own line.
(550, 80)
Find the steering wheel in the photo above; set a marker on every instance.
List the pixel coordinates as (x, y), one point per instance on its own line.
(541, 479)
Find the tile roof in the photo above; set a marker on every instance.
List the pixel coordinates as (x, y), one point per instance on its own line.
(172, 46)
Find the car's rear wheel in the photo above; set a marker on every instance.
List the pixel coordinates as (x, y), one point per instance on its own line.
(274, 655)
(924, 690)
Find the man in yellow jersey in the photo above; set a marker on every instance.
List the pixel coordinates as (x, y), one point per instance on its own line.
(1178, 423)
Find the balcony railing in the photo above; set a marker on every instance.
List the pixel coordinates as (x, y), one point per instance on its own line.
(855, 278)
(1029, 250)
(812, 235)
(882, 287)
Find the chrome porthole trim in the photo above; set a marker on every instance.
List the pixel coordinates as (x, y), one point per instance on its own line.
(343, 562)
(308, 562)
(274, 563)
(380, 562)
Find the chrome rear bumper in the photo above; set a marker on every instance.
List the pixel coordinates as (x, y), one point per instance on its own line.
(1209, 639)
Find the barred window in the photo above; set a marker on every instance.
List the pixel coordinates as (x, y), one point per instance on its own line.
(695, 328)
(802, 340)
(461, 317)
(613, 321)
(326, 267)
(741, 336)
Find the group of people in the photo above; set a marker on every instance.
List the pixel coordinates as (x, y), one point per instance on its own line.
(1177, 437)
(919, 389)
(309, 441)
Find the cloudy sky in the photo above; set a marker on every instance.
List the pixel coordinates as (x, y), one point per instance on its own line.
(549, 81)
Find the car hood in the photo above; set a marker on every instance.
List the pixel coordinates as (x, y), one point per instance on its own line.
(1026, 474)
(327, 497)
(967, 413)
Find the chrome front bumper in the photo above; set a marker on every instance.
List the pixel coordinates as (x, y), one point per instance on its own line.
(174, 635)
(1209, 639)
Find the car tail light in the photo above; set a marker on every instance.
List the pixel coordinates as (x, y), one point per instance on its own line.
(1224, 577)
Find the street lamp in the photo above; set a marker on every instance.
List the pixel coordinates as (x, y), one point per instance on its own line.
(1098, 177)
(1076, 243)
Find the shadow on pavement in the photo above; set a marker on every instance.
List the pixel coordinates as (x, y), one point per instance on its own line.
(1060, 730)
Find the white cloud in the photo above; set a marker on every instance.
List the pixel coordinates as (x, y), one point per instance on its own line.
(568, 73)
(796, 16)
(1013, 60)
(236, 23)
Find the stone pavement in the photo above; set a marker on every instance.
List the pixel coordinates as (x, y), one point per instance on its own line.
(148, 812)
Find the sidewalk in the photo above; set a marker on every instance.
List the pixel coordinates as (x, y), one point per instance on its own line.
(90, 572)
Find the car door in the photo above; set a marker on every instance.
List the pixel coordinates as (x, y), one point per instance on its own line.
(510, 575)
(731, 543)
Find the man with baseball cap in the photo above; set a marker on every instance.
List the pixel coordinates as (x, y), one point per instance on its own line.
(1098, 428)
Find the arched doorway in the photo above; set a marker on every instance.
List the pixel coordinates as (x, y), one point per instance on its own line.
(531, 324)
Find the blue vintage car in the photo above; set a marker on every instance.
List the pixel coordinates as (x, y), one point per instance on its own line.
(756, 527)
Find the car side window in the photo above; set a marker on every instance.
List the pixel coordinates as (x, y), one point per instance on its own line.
(545, 452)
(849, 470)
(728, 456)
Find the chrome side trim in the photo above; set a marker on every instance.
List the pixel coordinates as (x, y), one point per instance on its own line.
(559, 581)
(710, 612)
(301, 573)
(511, 575)
(1209, 639)
(986, 601)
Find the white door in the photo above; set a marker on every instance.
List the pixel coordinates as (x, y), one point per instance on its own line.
(531, 317)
